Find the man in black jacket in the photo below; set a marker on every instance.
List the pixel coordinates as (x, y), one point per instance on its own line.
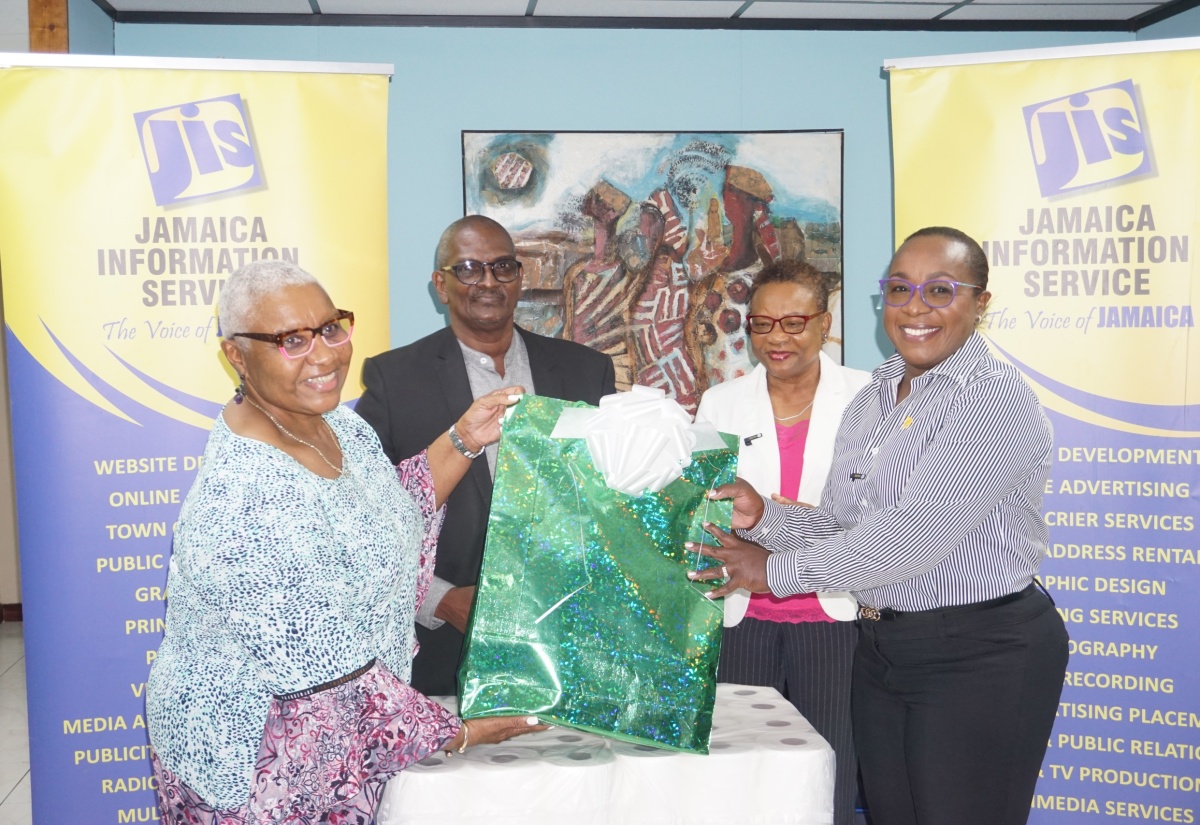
(414, 393)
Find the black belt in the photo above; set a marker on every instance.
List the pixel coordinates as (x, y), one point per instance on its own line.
(341, 680)
(886, 614)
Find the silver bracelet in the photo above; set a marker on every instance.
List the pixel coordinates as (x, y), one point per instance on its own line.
(457, 441)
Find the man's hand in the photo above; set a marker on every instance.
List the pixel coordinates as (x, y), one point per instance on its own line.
(455, 607)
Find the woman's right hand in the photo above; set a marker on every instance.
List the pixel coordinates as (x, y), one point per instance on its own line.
(479, 426)
(747, 503)
(493, 729)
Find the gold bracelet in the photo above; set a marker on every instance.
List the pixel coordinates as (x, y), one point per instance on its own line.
(466, 732)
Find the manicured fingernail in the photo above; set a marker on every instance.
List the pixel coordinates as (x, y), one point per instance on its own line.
(531, 720)
(709, 595)
(706, 524)
(691, 545)
(514, 398)
(692, 574)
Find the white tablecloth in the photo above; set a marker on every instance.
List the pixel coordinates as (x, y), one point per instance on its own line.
(766, 766)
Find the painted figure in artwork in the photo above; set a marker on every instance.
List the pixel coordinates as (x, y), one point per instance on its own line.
(643, 246)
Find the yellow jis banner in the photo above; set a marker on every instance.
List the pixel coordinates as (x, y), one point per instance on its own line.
(1079, 177)
(127, 195)
(1077, 170)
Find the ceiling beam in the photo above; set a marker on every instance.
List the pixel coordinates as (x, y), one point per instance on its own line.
(48, 26)
(549, 22)
(1163, 12)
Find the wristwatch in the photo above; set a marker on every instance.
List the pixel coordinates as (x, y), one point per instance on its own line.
(457, 441)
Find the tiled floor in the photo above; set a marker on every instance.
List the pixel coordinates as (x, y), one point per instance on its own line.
(14, 730)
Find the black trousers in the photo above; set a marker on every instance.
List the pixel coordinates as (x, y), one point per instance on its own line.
(810, 664)
(953, 709)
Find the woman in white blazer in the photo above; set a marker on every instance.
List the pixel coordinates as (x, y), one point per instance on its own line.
(802, 646)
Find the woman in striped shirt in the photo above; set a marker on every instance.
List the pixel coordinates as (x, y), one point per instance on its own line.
(932, 517)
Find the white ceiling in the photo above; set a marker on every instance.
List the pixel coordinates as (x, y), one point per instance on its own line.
(1126, 15)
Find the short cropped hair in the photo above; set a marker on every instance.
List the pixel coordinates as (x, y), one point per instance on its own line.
(977, 260)
(794, 272)
(442, 255)
(248, 287)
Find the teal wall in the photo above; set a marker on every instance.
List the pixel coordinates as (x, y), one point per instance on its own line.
(90, 30)
(1184, 24)
(450, 79)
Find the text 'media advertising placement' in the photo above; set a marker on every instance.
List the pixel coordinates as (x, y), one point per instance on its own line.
(1077, 172)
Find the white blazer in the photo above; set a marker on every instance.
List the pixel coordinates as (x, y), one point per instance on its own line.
(743, 407)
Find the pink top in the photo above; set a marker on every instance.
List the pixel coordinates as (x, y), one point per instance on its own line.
(803, 607)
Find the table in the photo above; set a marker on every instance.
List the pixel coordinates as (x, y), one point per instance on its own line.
(766, 766)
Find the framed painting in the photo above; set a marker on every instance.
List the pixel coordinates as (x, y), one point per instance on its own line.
(643, 245)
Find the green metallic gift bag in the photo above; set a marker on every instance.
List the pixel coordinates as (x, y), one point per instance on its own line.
(584, 614)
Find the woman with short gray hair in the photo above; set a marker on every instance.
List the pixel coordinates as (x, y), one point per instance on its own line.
(279, 693)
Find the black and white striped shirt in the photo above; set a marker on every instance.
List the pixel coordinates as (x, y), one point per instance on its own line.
(932, 502)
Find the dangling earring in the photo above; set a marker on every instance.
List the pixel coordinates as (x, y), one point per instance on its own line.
(239, 394)
(824, 337)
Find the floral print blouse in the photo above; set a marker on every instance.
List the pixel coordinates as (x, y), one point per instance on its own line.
(281, 580)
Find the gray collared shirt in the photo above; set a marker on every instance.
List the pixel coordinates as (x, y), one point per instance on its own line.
(481, 372)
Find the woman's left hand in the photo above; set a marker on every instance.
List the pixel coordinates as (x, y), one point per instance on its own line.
(491, 730)
(789, 502)
(743, 563)
(479, 426)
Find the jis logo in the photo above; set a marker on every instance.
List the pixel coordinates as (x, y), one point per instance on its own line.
(1087, 138)
(197, 149)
